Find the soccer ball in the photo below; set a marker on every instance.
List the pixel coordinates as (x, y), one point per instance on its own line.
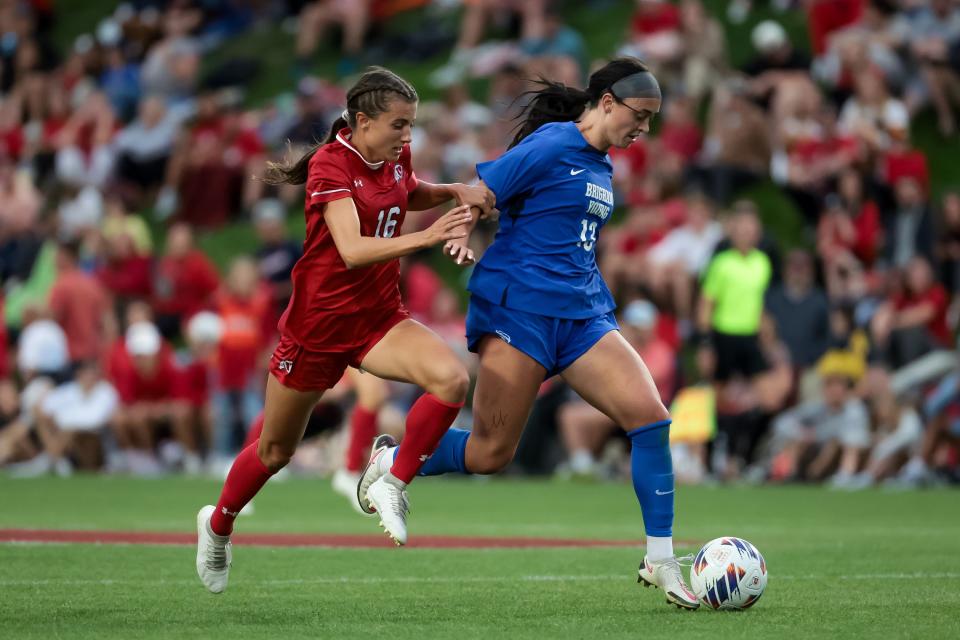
(728, 574)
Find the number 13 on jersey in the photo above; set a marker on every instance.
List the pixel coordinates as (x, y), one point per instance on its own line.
(588, 234)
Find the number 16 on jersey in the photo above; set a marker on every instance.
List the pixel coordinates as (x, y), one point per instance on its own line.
(387, 223)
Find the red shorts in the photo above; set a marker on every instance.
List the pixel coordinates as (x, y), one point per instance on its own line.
(303, 370)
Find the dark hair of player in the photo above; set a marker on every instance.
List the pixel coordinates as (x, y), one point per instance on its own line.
(556, 102)
(371, 95)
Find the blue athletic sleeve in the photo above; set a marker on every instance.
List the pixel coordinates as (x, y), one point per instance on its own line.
(516, 172)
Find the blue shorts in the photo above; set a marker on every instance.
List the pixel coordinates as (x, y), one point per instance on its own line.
(553, 342)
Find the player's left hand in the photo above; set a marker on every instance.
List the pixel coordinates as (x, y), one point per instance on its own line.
(476, 196)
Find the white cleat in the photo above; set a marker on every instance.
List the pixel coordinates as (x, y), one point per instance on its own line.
(214, 553)
(392, 503)
(666, 575)
(378, 466)
(345, 483)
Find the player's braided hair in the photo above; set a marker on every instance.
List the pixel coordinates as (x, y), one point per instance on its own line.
(556, 102)
(371, 95)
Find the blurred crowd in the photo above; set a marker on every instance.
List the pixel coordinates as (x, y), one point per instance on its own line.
(826, 357)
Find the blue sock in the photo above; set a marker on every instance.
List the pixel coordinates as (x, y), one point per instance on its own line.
(652, 470)
(449, 456)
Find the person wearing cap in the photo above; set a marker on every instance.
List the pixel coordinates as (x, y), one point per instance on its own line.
(42, 361)
(197, 364)
(150, 390)
(776, 62)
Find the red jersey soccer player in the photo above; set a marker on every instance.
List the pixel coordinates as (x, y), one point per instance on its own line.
(345, 309)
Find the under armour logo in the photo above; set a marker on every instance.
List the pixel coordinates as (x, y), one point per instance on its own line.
(358, 183)
(285, 365)
(424, 458)
(232, 514)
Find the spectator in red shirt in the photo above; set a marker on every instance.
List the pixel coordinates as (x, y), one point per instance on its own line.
(680, 134)
(81, 305)
(849, 231)
(127, 274)
(183, 283)
(656, 36)
(211, 167)
(244, 306)
(150, 390)
(913, 321)
(827, 16)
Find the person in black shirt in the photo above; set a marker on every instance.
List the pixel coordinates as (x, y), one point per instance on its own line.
(277, 252)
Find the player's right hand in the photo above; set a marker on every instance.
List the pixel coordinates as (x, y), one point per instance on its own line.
(459, 252)
(449, 226)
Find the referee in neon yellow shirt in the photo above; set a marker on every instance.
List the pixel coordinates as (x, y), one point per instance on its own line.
(732, 296)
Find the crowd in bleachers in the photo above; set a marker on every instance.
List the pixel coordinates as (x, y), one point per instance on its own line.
(824, 357)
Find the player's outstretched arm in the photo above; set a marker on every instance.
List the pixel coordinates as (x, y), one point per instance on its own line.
(358, 250)
(427, 195)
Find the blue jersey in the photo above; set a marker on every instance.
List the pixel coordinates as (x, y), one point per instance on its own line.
(554, 194)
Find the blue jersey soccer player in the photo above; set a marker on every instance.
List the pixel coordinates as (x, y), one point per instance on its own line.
(539, 306)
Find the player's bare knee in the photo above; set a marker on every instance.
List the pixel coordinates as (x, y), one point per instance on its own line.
(492, 459)
(648, 413)
(274, 455)
(449, 382)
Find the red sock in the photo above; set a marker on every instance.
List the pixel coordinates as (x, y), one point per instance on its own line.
(253, 431)
(363, 428)
(246, 477)
(428, 420)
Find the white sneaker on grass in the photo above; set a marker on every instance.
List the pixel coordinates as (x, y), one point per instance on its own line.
(214, 553)
(666, 575)
(379, 464)
(392, 504)
(345, 483)
(39, 465)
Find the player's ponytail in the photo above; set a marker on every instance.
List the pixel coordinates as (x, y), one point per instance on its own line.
(556, 102)
(371, 95)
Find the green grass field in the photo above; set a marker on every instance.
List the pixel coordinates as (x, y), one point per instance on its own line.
(863, 565)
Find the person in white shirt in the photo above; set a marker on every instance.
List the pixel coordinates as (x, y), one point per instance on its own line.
(72, 418)
(677, 261)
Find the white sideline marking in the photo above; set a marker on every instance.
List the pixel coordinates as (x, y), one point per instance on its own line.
(462, 580)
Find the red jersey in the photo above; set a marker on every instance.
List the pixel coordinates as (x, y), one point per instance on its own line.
(184, 286)
(334, 308)
(245, 334)
(936, 296)
(133, 386)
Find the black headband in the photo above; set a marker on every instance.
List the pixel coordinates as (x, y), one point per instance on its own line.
(638, 85)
